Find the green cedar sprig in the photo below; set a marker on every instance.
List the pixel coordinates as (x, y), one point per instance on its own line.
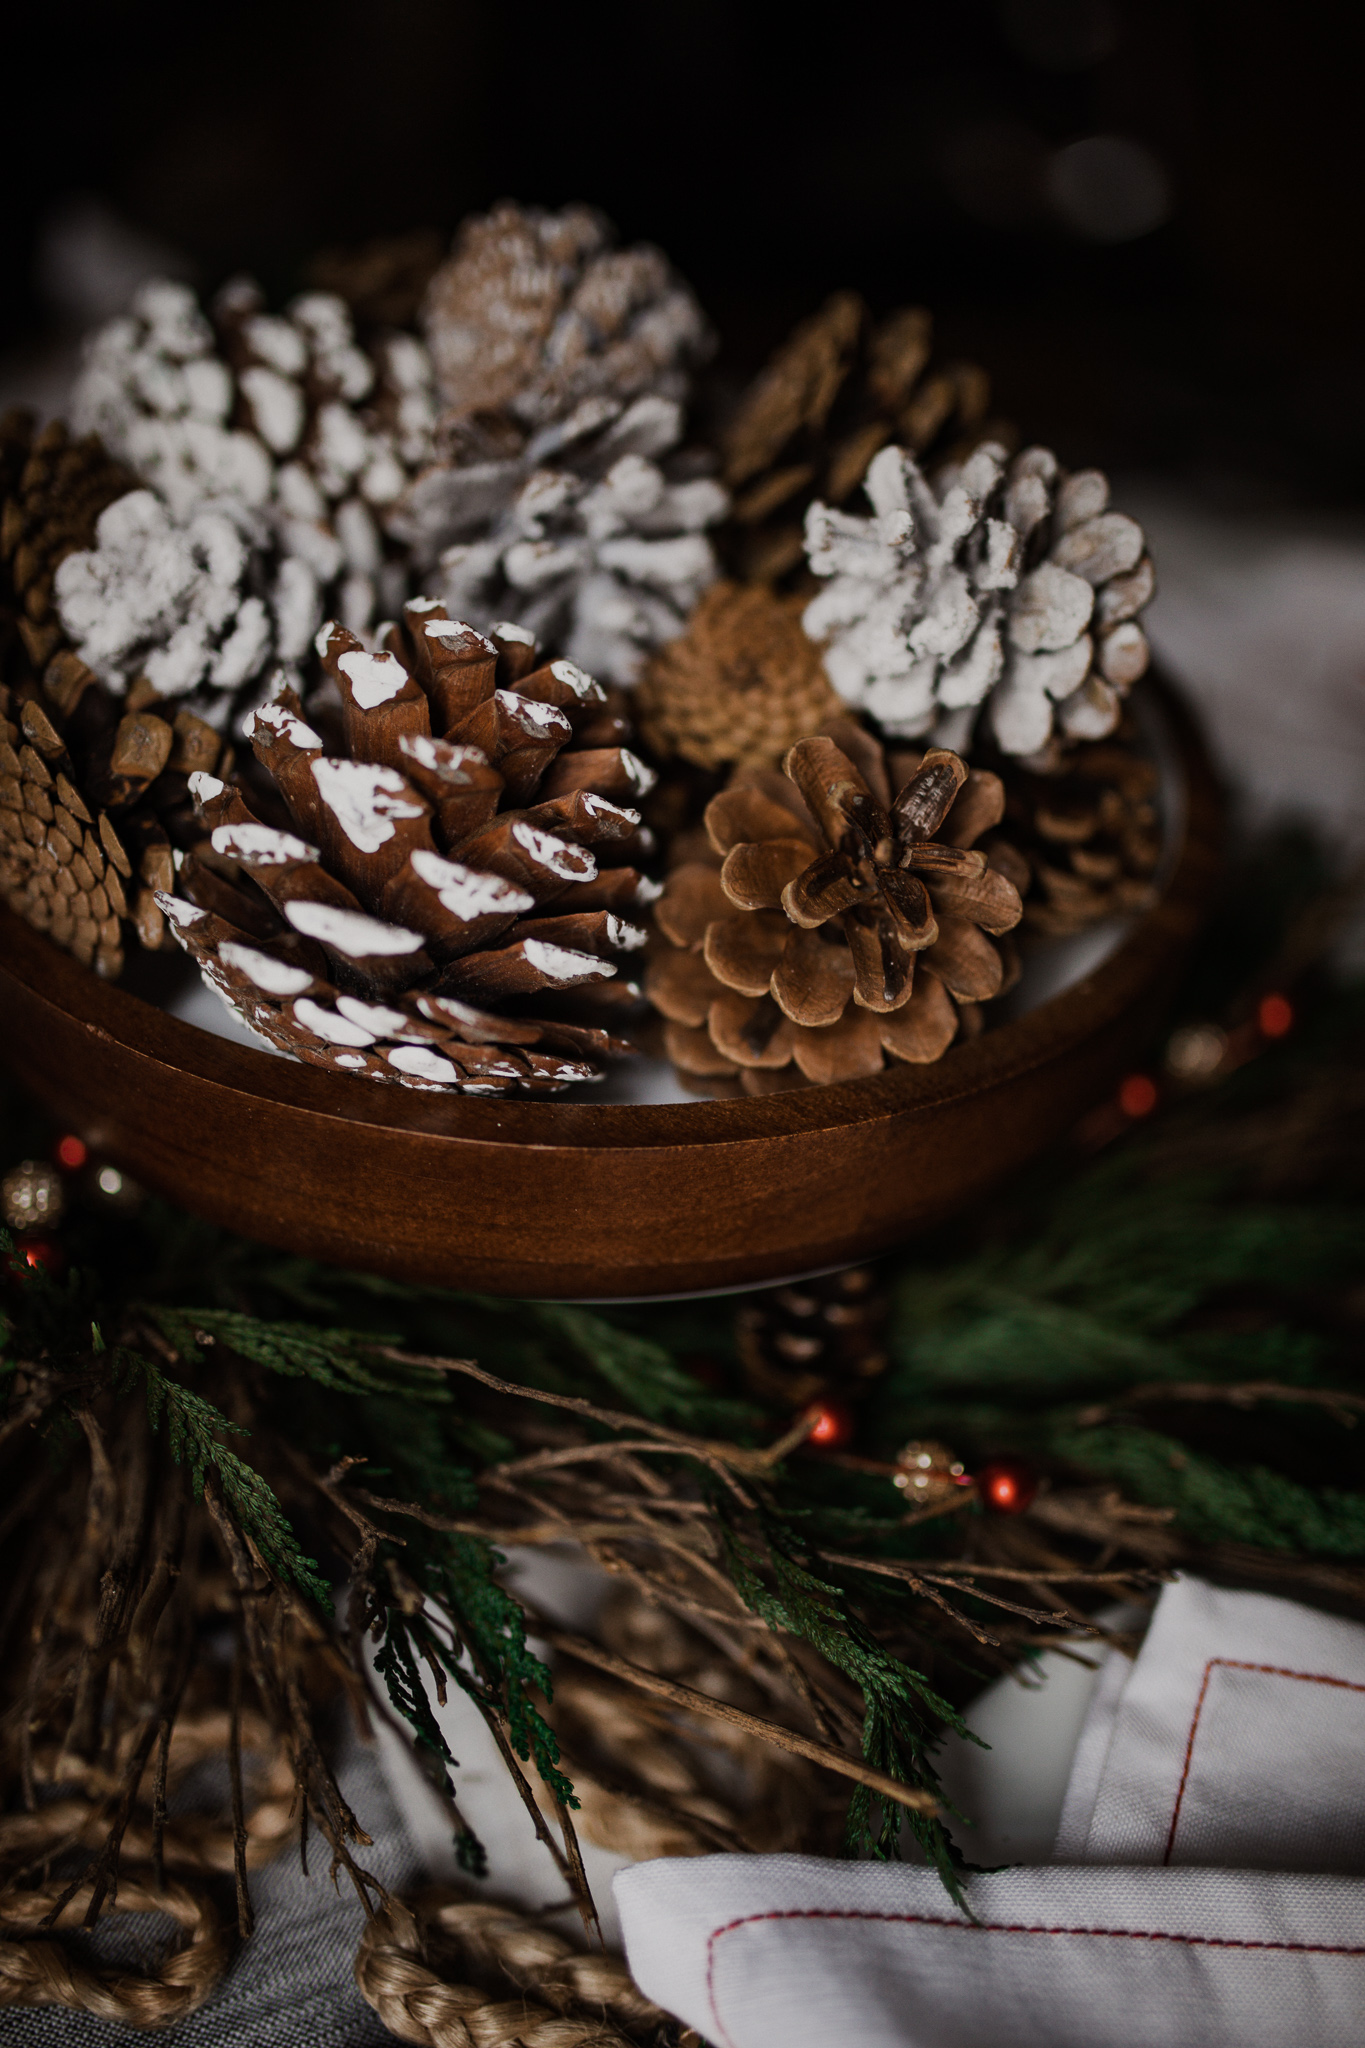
(347, 1361)
(904, 1717)
(1213, 1501)
(193, 1427)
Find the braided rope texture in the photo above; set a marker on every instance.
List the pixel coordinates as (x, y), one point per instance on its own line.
(580, 2001)
(40, 1971)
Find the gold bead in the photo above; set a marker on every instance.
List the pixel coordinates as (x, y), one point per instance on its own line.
(31, 1195)
(929, 1473)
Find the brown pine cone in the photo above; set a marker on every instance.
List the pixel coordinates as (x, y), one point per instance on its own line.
(742, 684)
(383, 281)
(839, 388)
(1091, 836)
(813, 1337)
(52, 489)
(449, 908)
(90, 803)
(798, 939)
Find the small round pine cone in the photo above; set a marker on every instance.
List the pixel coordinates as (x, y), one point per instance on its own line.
(835, 926)
(814, 1337)
(742, 684)
(94, 801)
(452, 902)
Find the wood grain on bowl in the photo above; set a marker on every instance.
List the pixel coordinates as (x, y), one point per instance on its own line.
(584, 1199)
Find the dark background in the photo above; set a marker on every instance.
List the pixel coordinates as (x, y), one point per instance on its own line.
(1144, 218)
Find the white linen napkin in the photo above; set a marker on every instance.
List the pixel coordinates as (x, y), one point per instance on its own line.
(1235, 1739)
(796, 1952)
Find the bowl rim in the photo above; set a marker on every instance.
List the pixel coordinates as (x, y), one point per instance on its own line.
(114, 1013)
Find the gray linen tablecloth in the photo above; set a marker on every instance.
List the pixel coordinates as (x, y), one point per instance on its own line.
(291, 1985)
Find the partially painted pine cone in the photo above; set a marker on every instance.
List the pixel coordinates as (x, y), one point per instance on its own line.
(54, 491)
(537, 311)
(740, 686)
(452, 901)
(838, 389)
(93, 803)
(835, 926)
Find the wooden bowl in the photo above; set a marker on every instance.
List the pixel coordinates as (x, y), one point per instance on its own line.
(584, 1200)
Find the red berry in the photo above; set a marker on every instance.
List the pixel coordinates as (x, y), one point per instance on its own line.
(33, 1253)
(1275, 1015)
(831, 1425)
(1006, 1485)
(71, 1152)
(1137, 1095)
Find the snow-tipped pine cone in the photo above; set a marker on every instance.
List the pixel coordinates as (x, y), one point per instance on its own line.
(284, 416)
(1004, 586)
(838, 389)
(534, 312)
(447, 897)
(835, 926)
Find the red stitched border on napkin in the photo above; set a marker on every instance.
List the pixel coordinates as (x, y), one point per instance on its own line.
(1311, 1948)
(1236, 1664)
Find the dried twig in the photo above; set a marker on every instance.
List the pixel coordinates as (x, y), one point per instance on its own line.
(753, 1724)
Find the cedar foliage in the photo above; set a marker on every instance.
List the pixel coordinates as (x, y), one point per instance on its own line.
(1173, 1327)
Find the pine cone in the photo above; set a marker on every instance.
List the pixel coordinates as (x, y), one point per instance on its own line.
(606, 570)
(839, 388)
(443, 917)
(742, 684)
(534, 312)
(284, 416)
(815, 1337)
(52, 490)
(799, 939)
(1006, 583)
(92, 805)
(384, 282)
(168, 606)
(563, 363)
(1091, 837)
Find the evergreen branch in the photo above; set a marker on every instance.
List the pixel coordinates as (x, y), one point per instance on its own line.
(347, 1361)
(193, 1427)
(1214, 1502)
(903, 1715)
(641, 1370)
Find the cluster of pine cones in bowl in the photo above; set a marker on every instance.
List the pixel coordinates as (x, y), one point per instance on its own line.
(478, 704)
